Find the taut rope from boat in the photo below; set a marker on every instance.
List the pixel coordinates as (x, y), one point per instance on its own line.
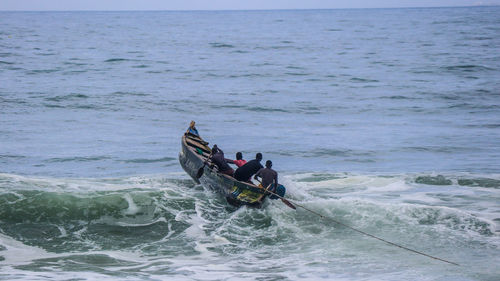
(365, 233)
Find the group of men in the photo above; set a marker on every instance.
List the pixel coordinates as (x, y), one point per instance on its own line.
(245, 169)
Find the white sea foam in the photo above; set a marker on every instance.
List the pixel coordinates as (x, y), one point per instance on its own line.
(17, 253)
(370, 115)
(132, 207)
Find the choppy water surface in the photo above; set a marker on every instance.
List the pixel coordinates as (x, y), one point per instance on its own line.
(386, 120)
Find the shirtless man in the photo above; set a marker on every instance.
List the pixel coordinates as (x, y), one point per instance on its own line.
(268, 175)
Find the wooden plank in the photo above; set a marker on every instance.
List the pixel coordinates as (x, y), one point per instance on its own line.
(198, 145)
(196, 139)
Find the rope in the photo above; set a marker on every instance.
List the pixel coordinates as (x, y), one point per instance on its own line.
(367, 234)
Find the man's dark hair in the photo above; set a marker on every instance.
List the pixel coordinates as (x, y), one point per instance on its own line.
(239, 156)
(258, 156)
(215, 149)
(269, 164)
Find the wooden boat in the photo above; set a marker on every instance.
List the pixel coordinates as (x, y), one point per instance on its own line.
(194, 156)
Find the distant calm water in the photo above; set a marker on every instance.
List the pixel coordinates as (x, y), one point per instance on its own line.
(385, 119)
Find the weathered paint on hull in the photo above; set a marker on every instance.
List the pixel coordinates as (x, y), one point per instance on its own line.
(190, 162)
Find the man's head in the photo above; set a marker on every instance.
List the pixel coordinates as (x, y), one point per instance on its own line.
(269, 164)
(215, 149)
(239, 156)
(258, 156)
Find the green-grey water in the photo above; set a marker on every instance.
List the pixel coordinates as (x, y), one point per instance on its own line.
(383, 119)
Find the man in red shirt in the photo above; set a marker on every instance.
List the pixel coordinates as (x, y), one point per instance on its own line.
(239, 160)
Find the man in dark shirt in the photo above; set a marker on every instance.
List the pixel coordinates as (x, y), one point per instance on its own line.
(221, 162)
(268, 175)
(245, 172)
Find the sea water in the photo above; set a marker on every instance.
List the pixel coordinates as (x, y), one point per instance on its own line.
(386, 120)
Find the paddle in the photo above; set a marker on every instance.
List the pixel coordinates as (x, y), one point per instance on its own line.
(280, 197)
(286, 202)
(201, 170)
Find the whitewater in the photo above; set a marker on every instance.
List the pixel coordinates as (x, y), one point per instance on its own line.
(386, 120)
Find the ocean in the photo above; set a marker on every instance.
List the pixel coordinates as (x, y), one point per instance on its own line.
(386, 120)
